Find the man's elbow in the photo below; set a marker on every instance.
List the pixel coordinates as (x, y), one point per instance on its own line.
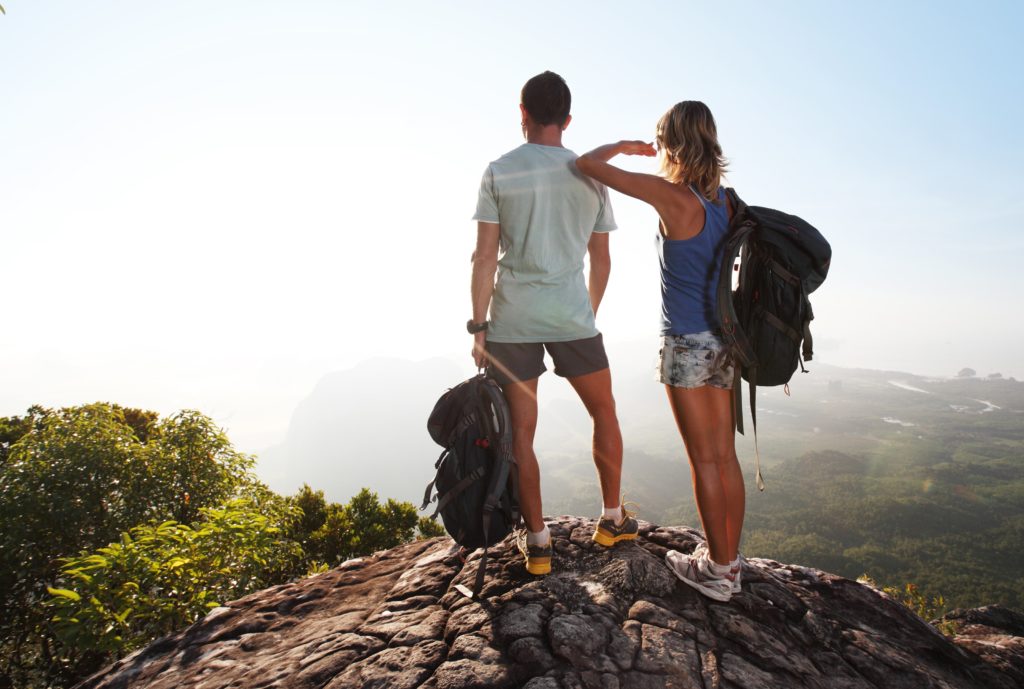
(583, 164)
(601, 264)
(484, 261)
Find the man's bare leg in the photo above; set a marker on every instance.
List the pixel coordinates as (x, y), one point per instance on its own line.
(595, 389)
(522, 403)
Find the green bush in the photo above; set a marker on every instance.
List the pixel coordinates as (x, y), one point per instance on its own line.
(74, 479)
(117, 526)
(928, 608)
(331, 533)
(162, 577)
(80, 476)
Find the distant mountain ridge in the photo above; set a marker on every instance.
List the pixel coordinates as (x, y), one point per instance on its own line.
(363, 427)
(366, 426)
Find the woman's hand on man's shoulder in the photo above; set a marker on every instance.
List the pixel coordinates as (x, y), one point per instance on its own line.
(637, 148)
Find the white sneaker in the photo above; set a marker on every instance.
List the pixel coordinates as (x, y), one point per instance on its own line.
(735, 574)
(695, 570)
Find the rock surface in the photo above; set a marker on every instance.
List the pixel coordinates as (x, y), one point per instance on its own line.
(604, 619)
(995, 634)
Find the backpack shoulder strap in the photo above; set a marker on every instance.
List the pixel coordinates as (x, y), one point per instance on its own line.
(497, 420)
(736, 204)
(740, 228)
(753, 421)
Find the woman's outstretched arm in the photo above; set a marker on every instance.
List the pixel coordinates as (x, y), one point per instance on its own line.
(650, 188)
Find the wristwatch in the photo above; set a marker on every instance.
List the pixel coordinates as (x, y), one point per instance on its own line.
(475, 328)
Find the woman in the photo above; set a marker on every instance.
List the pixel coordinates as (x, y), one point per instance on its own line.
(695, 368)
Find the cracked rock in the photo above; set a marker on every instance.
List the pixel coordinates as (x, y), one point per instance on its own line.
(605, 618)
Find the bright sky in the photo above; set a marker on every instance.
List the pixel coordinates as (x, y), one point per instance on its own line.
(212, 204)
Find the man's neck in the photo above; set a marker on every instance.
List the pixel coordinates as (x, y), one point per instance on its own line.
(548, 135)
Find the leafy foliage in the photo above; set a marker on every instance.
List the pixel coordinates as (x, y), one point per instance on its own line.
(331, 533)
(12, 429)
(928, 608)
(117, 526)
(161, 577)
(76, 478)
(429, 528)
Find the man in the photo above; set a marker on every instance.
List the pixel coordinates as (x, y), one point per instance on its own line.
(545, 217)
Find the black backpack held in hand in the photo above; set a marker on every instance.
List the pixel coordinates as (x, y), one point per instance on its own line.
(477, 482)
(766, 320)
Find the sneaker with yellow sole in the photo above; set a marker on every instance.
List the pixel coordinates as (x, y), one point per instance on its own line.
(608, 533)
(537, 556)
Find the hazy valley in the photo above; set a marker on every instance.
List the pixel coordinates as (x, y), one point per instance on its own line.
(903, 477)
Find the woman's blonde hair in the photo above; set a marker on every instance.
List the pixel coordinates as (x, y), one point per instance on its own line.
(688, 139)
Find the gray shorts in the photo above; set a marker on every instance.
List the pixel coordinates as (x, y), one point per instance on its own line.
(691, 361)
(521, 361)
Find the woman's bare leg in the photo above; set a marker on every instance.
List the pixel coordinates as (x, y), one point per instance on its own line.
(705, 421)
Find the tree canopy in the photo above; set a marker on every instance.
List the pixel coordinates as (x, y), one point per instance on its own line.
(117, 526)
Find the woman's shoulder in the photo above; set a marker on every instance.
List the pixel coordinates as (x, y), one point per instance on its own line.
(688, 196)
(677, 200)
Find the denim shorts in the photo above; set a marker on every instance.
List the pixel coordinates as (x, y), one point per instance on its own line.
(691, 361)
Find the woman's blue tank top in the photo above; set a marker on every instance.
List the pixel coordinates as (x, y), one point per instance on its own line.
(689, 273)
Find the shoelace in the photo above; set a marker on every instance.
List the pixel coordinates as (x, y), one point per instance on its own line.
(735, 569)
(520, 539)
(626, 513)
(697, 570)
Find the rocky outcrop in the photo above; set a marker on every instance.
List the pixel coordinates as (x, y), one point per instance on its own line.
(995, 634)
(604, 619)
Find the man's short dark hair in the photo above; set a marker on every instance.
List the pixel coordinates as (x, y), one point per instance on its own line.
(546, 97)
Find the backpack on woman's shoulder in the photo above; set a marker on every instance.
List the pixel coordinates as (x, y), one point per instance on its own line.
(766, 320)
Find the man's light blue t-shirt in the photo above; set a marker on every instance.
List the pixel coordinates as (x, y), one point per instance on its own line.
(547, 211)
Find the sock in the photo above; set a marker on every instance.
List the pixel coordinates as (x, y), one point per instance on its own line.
(613, 513)
(717, 569)
(538, 537)
(735, 564)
